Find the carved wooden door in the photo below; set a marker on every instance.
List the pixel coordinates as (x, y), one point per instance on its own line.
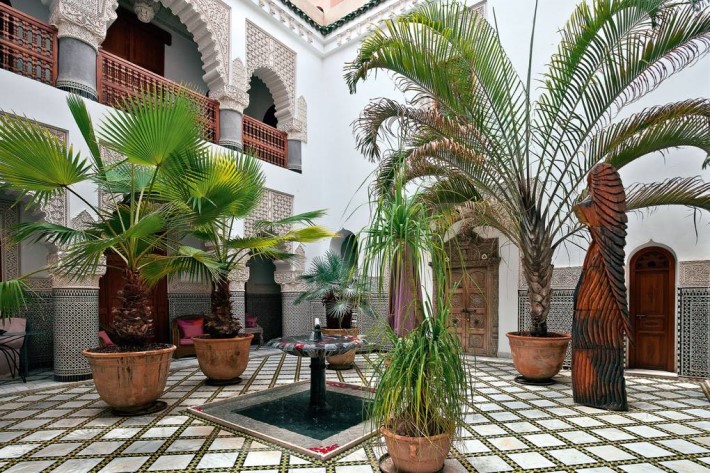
(651, 308)
(470, 318)
(112, 282)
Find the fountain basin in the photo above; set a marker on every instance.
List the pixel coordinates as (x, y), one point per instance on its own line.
(282, 416)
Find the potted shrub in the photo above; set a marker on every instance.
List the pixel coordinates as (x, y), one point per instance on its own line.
(214, 192)
(505, 156)
(420, 396)
(153, 135)
(341, 291)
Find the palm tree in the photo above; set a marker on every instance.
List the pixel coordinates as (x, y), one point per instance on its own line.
(213, 193)
(484, 146)
(338, 287)
(155, 135)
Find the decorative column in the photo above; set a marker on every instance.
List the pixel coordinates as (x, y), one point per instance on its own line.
(76, 323)
(296, 319)
(237, 289)
(233, 99)
(297, 131)
(82, 26)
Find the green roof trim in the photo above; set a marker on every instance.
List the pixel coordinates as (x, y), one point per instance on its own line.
(327, 29)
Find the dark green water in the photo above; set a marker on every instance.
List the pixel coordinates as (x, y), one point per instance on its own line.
(293, 413)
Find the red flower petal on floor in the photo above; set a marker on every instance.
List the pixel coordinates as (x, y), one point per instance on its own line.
(324, 449)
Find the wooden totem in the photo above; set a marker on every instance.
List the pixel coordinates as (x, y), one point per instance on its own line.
(601, 314)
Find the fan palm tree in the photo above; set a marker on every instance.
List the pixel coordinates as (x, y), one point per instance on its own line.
(213, 193)
(483, 145)
(155, 136)
(338, 287)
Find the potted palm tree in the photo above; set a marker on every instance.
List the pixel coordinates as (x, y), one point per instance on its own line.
(420, 396)
(213, 193)
(337, 285)
(154, 135)
(516, 161)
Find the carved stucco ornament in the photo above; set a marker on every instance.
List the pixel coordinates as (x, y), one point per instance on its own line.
(85, 20)
(233, 96)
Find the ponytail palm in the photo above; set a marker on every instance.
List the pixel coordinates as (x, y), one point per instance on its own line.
(481, 143)
(154, 136)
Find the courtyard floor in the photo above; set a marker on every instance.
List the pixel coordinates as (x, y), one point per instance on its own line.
(46, 426)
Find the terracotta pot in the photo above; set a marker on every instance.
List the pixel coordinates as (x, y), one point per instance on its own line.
(346, 360)
(538, 358)
(223, 359)
(130, 382)
(417, 454)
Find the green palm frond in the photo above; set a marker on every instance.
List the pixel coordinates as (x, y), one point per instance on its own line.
(83, 121)
(32, 159)
(12, 297)
(58, 235)
(687, 191)
(155, 126)
(196, 264)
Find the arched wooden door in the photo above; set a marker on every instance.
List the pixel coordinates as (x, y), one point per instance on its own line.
(652, 308)
(113, 281)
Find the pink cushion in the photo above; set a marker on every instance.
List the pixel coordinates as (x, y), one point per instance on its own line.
(186, 341)
(191, 327)
(250, 321)
(105, 338)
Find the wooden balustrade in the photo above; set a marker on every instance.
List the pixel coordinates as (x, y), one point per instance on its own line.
(265, 142)
(118, 79)
(27, 46)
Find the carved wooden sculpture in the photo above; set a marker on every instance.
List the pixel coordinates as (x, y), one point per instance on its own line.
(601, 314)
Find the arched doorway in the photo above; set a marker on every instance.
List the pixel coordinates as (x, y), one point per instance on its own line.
(652, 302)
(262, 297)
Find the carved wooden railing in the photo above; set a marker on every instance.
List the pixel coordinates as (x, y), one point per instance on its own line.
(264, 141)
(27, 46)
(118, 79)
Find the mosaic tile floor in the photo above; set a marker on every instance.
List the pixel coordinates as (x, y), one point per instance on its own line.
(66, 428)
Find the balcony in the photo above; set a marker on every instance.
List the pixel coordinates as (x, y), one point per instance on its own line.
(265, 142)
(118, 79)
(28, 47)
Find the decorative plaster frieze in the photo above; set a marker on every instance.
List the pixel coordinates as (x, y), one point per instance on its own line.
(82, 221)
(9, 251)
(40, 284)
(290, 20)
(275, 64)
(238, 278)
(273, 206)
(694, 273)
(54, 262)
(297, 128)
(179, 286)
(209, 22)
(233, 96)
(85, 20)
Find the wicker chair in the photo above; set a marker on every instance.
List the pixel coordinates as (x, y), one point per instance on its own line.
(185, 347)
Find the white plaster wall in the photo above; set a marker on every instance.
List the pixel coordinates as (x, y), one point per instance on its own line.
(183, 63)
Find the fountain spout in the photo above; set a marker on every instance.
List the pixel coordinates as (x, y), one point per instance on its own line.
(316, 336)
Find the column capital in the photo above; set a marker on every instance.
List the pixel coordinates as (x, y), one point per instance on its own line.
(59, 280)
(297, 127)
(238, 278)
(84, 20)
(233, 95)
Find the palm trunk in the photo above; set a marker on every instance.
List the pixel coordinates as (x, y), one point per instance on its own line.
(132, 323)
(537, 268)
(222, 324)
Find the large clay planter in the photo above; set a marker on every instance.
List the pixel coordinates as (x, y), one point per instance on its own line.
(538, 359)
(131, 382)
(417, 454)
(222, 360)
(346, 360)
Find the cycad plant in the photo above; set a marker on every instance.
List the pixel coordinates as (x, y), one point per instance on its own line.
(154, 136)
(338, 286)
(481, 142)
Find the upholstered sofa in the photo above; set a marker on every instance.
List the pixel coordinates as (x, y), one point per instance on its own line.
(183, 329)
